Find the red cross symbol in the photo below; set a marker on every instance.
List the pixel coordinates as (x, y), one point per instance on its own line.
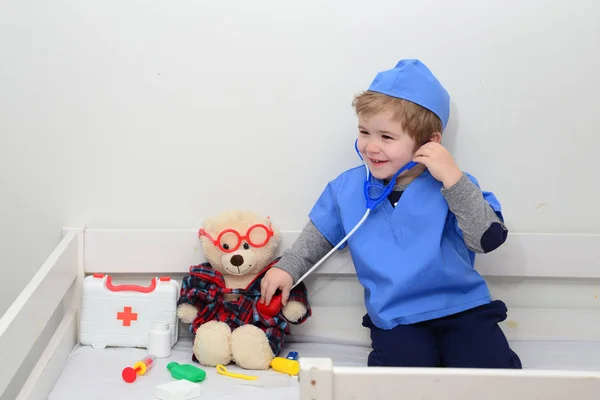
(127, 316)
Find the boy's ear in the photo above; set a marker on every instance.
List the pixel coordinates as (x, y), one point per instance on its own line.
(436, 137)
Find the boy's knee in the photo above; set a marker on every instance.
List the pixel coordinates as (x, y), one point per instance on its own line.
(473, 339)
(501, 357)
(403, 346)
(495, 310)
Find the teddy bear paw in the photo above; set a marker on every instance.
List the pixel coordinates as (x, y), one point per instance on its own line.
(293, 311)
(250, 348)
(212, 344)
(187, 313)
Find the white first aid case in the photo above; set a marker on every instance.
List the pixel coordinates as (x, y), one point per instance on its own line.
(122, 315)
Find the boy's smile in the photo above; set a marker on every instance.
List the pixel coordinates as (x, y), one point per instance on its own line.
(385, 146)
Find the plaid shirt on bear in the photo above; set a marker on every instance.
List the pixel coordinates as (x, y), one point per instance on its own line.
(205, 289)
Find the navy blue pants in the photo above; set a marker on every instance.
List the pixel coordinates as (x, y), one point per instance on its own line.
(470, 339)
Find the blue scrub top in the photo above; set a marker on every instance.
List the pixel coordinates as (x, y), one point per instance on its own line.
(411, 260)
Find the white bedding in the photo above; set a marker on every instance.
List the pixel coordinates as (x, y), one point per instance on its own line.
(96, 374)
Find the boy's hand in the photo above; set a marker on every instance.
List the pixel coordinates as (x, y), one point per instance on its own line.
(274, 279)
(439, 162)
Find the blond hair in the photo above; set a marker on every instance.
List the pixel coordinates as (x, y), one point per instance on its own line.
(417, 121)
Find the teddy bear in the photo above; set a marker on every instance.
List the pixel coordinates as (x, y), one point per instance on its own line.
(220, 298)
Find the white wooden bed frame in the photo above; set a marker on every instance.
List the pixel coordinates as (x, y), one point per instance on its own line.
(551, 284)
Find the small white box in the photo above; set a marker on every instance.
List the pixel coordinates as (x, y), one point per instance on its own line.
(122, 315)
(178, 390)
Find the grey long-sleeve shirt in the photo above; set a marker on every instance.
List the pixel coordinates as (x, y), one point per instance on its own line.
(483, 231)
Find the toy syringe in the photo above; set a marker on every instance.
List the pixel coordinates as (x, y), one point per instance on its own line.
(140, 367)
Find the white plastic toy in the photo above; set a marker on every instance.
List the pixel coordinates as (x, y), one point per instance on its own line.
(178, 390)
(123, 315)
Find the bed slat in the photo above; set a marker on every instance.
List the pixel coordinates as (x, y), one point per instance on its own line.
(173, 251)
(522, 324)
(544, 255)
(29, 313)
(50, 365)
(320, 381)
(142, 251)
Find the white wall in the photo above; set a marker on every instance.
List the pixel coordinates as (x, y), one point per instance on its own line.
(35, 187)
(158, 113)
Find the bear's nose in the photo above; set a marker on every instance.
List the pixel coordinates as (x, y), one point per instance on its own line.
(237, 260)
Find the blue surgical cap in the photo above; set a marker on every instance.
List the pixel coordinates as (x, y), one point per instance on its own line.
(413, 81)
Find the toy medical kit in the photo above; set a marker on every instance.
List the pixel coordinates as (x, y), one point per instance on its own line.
(140, 367)
(187, 372)
(123, 315)
(159, 340)
(223, 371)
(178, 390)
(285, 365)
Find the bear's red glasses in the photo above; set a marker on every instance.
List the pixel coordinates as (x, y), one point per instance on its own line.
(256, 230)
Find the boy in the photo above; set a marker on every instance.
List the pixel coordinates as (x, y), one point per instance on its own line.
(426, 304)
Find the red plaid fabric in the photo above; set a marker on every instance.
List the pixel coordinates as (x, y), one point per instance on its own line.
(205, 289)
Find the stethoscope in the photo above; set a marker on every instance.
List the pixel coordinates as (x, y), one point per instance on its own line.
(370, 188)
(375, 193)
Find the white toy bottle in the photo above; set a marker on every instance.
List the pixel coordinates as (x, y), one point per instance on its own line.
(159, 339)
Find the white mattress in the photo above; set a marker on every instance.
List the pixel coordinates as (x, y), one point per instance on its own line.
(96, 374)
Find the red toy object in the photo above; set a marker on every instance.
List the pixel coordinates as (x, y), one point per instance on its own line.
(272, 309)
(130, 374)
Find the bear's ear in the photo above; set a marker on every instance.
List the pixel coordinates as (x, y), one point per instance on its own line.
(205, 233)
(272, 227)
(204, 236)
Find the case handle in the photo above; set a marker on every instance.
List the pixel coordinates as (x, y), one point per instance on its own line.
(133, 288)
